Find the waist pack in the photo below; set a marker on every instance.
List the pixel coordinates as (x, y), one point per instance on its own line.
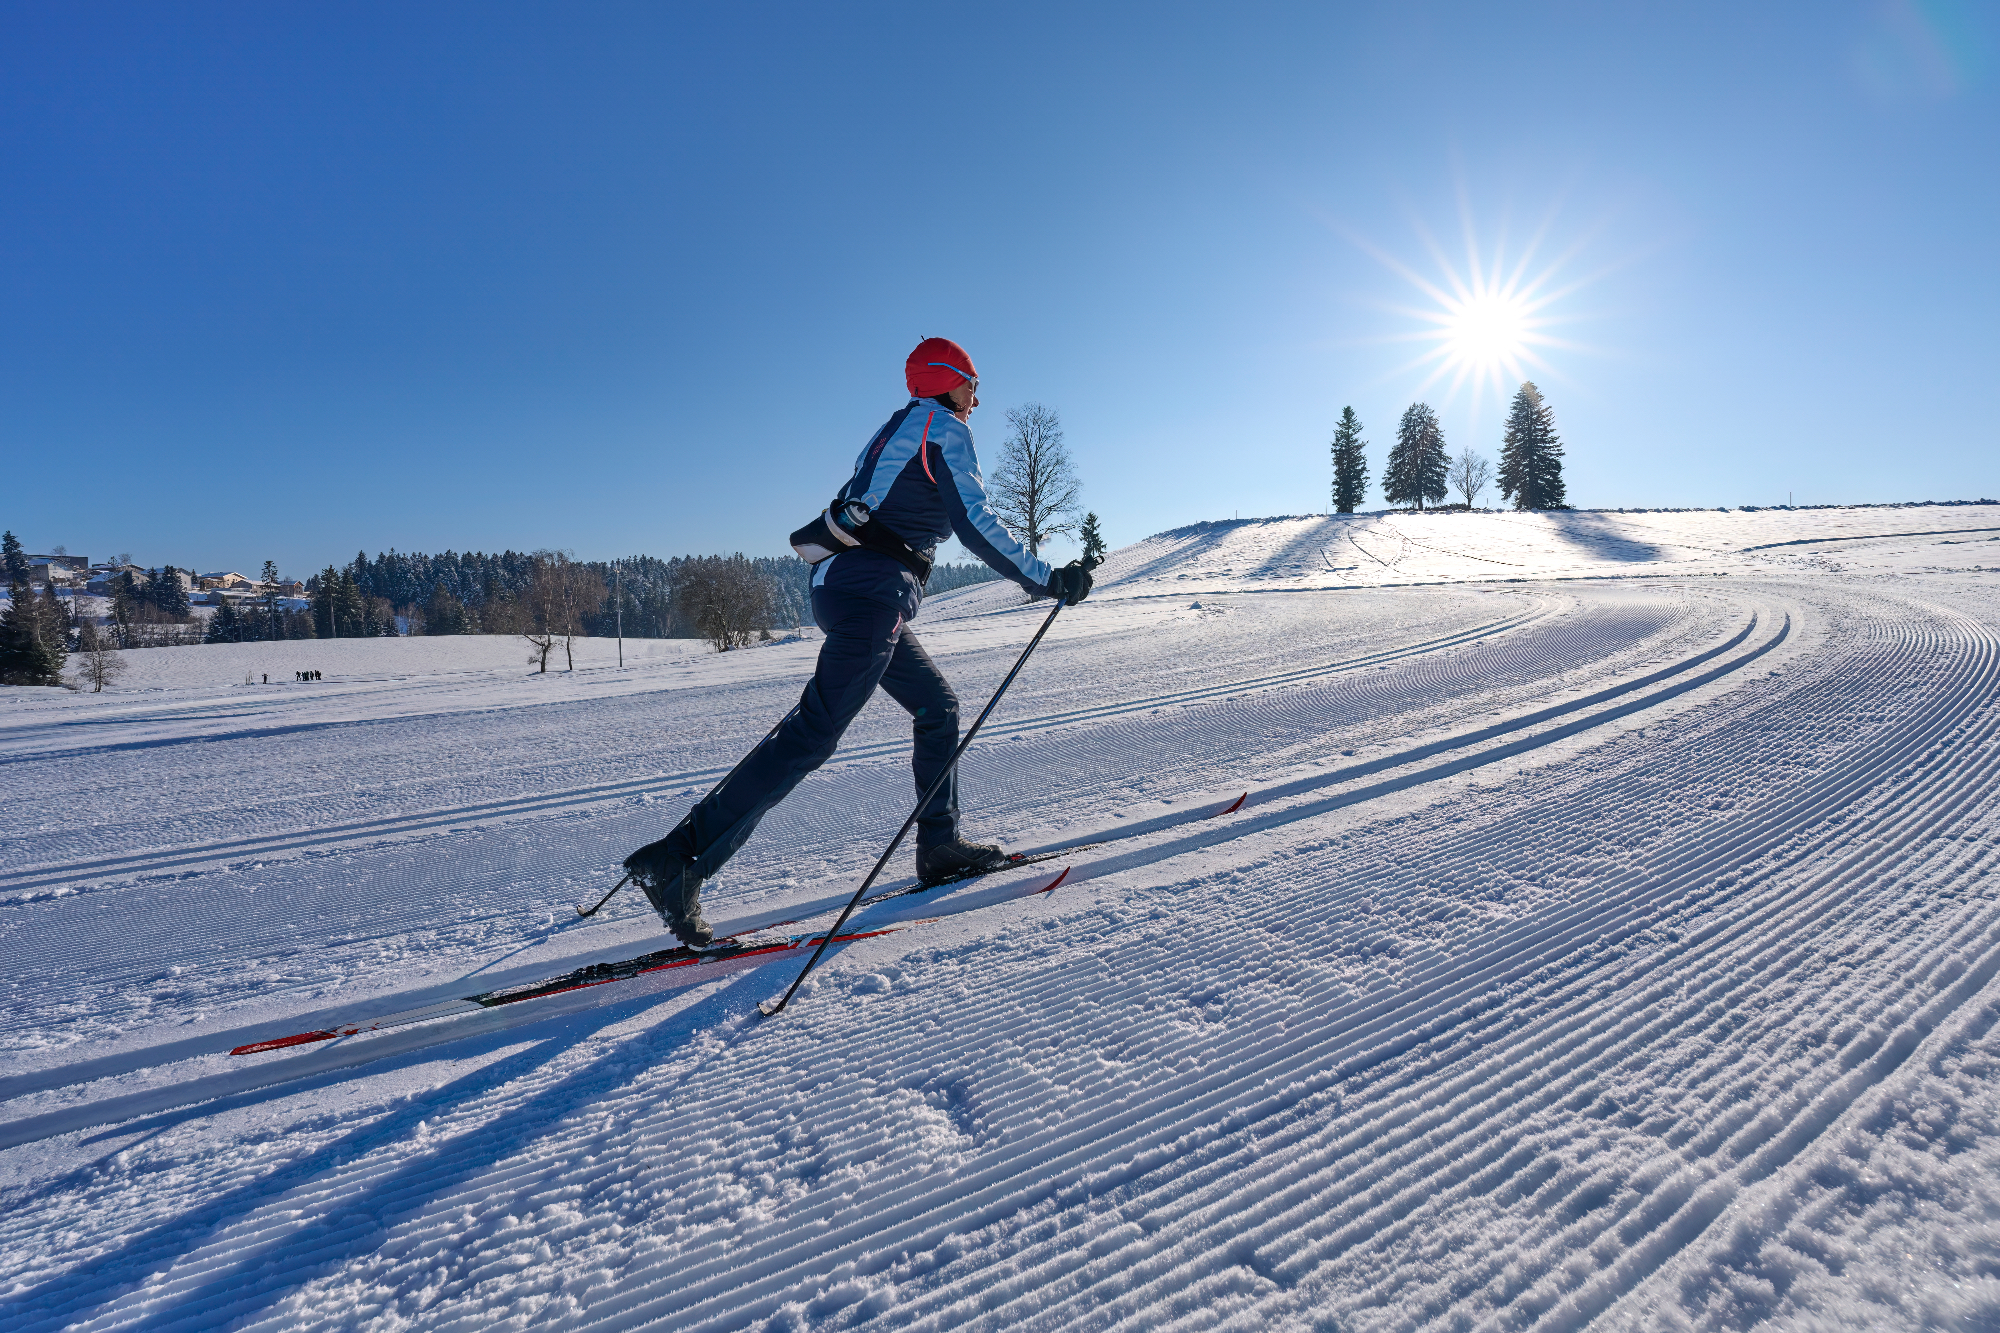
(848, 525)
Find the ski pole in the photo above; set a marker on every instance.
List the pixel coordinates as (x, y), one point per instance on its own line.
(592, 909)
(770, 1010)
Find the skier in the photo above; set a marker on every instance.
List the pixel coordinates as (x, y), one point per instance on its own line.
(915, 484)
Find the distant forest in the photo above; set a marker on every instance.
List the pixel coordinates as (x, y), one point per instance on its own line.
(476, 592)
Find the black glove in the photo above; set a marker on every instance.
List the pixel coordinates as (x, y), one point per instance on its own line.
(1071, 582)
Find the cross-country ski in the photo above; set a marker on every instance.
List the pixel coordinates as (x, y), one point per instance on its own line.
(678, 965)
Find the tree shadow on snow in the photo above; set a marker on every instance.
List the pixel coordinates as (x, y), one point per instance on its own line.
(1598, 536)
(1190, 543)
(257, 1275)
(1302, 552)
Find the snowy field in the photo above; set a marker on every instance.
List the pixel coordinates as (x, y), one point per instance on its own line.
(1609, 937)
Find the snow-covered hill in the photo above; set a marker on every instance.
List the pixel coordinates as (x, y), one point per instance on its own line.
(1609, 937)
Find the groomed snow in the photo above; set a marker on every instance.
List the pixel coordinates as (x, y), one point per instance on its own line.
(1610, 938)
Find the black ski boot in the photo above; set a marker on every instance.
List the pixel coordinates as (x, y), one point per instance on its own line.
(956, 859)
(672, 889)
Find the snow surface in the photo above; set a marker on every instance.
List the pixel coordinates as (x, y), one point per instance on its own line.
(1610, 938)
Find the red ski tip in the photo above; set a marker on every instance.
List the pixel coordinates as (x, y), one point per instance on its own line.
(1239, 804)
(1050, 887)
(279, 1043)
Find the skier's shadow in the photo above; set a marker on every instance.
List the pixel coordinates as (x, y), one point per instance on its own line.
(257, 1275)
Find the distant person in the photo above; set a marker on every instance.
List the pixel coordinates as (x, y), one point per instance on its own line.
(915, 484)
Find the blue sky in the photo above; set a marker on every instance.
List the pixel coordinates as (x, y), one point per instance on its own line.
(287, 281)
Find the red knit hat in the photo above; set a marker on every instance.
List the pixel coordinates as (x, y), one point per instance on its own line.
(939, 365)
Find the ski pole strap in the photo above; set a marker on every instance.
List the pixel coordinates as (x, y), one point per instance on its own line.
(773, 1010)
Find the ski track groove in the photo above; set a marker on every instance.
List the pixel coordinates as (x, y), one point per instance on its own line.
(1391, 1111)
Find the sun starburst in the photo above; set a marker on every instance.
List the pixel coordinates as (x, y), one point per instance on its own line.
(1487, 320)
(1491, 329)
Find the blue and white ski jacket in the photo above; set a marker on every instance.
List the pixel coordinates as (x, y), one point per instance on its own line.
(920, 478)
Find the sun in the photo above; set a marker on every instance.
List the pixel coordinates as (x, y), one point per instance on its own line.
(1490, 331)
(1485, 330)
(1488, 314)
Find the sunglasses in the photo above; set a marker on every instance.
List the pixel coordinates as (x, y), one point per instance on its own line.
(971, 381)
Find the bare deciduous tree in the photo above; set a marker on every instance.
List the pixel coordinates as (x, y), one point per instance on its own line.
(561, 595)
(540, 644)
(98, 662)
(1035, 488)
(725, 598)
(583, 596)
(1469, 474)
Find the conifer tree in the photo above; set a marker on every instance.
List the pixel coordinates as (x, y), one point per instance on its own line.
(124, 596)
(325, 624)
(444, 614)
(16, 561)
(24, 658)
(53, 632)
(1417, 461)
(1350, 463)
(274, 625)
(1092, 537)
(55, 616)
(349, 613)
(169, 595)
(225, 626)
(1531, 456)
(34, 635)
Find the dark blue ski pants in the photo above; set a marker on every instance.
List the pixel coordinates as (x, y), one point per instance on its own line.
(867, 644)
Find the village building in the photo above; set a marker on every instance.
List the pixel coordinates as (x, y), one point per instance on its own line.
(103, 578)
(62, 570)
